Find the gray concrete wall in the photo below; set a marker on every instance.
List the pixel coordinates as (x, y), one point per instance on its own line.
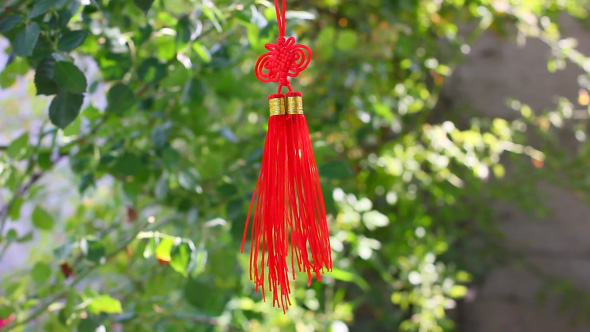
(495, 70)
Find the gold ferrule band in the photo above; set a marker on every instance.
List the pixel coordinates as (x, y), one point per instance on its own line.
(276, 106)
(295, 105)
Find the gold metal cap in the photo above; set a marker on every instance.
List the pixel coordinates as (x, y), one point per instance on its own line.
(294, 105)
(276, 106)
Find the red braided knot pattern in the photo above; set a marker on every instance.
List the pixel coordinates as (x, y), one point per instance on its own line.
(285, 59)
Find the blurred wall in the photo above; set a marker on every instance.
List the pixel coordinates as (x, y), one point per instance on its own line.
(507, 301)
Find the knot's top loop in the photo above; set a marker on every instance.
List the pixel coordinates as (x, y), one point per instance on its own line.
(285, 58)
(281, 20)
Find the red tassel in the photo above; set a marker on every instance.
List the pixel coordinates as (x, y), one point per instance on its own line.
(269, 242)
(287, 207)
(304, 196)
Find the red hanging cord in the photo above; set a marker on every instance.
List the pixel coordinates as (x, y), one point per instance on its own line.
(281, 19)
(285, 59)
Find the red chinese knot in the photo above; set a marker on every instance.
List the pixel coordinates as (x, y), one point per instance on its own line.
(285, 59)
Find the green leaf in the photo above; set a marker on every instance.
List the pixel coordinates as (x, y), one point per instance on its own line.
(114, 66)
(212, 13)
(189, 179)
(74, 128)
(90, 325)
(65, 315)
(93, 250)
(5, 311)
(42, 219)
(14, 211)
(160, 135)
(69, 77)
(11, 235)
(187, 30)
(120, 99)
(161, 188)
(166, 46)
(151, 70)
(458, 291)
(106, 304)
(86, 181)
(150, 248)
(144, 5)
(182, 257)
(346, 40)
(202, 51)
(67, 13)
(177, 76)
(64, 108)
(71, 39)
(63, 252)
(8, 75)
(19, 148)
(326, 42)
(164, 249)
(171, 158)
(143, 34)
(42, 50)
(40, 272)
(9, 22)
(25, 41)
(194, 92)
(41, 7)
(26, 238)
(44, 81)
(347, 276)
(44, 160)
(129, 164)
(91, 113)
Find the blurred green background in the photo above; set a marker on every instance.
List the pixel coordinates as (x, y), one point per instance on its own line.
(131, 139)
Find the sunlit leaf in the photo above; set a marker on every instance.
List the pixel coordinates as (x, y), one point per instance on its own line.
(42, 219)
(40, 272)
(182, 257)
(18, 148)
(106, 304)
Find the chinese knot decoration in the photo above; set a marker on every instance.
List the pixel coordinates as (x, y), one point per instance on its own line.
(285, 59)
(287, 218)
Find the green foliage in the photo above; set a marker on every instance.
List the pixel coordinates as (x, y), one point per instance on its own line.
(26, 39)
(42, 219)
(164, 143)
